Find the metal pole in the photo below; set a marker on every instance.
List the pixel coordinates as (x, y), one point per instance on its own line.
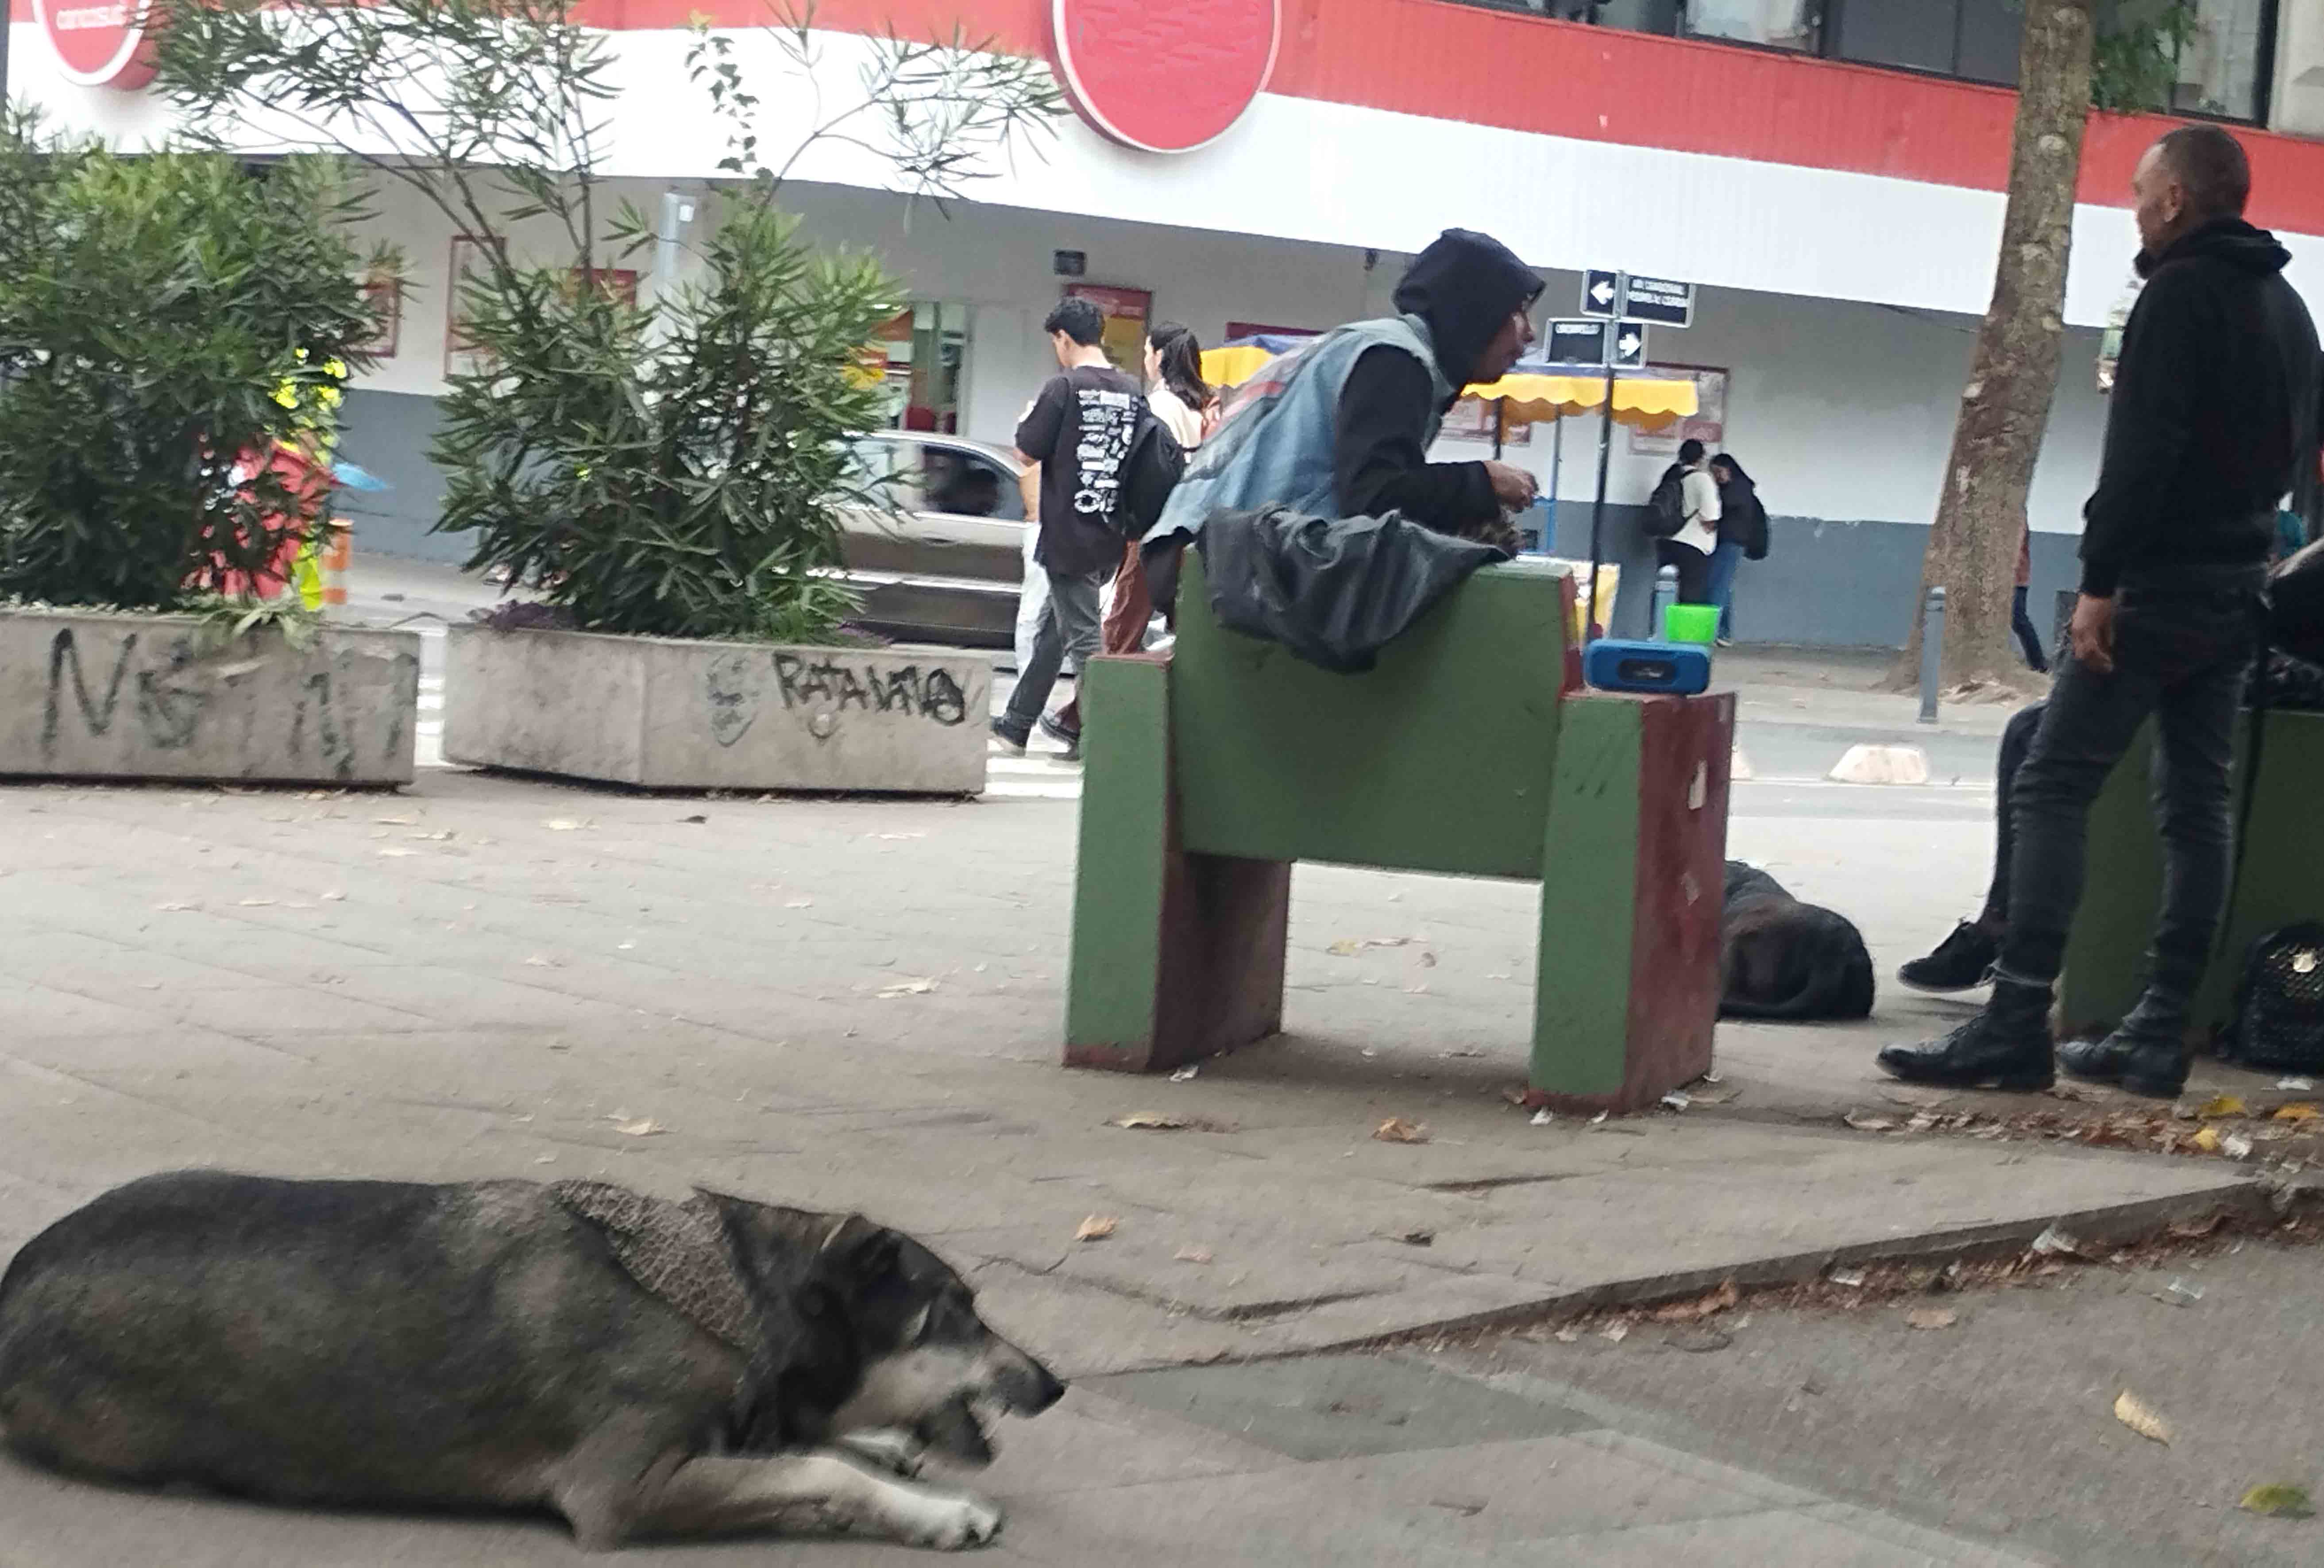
(1557, 461)
(1605, 456)
(1500, 425)
(1932, 652)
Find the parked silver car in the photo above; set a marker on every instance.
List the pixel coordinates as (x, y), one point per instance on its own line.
(946, 565)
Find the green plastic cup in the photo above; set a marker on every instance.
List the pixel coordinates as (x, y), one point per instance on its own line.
(1691, 623)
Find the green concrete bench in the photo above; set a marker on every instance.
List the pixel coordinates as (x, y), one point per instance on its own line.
(2281, 879)
(1470, 750)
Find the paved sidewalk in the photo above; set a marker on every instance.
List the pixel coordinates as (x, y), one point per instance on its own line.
(850, 1004)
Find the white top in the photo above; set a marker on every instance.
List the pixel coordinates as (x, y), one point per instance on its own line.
(1182, 421)
(1700, 531)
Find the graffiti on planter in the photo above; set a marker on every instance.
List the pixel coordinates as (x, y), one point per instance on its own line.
(734, 687)
(164, 684)
(169, 710)
(930, 693)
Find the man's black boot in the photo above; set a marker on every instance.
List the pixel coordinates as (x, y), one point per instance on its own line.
(1961, 961)
(2005, 1046)
(2146, 1054)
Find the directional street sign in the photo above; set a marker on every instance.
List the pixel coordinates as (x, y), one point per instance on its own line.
(1659, 301)
(1572, 341)
(1600, 293)
(1631, 348)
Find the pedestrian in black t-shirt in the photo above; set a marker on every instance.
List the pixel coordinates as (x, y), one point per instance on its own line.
(1079, 432)
(2215, 410)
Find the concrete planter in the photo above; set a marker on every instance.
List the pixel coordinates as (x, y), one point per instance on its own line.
(99, 695)
(671, 713)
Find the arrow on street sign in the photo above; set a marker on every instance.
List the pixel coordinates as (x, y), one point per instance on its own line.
(1576, 341)
(1601, 292)
(1660, 300)
(1631, 348)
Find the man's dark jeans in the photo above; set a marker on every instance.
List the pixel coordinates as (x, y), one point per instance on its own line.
(2183, 648)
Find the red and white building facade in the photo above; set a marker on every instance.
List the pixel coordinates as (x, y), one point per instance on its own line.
(1822, 172)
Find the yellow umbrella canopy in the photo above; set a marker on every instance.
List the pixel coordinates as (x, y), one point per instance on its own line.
(1530, 394)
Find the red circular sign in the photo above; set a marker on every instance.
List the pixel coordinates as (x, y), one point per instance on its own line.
(1163, 78)
(100, 43)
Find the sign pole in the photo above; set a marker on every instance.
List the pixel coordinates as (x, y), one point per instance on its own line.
(1605, 459)
(1556, 463)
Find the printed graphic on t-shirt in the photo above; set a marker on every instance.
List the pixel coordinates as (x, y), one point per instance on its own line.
(1108, 420)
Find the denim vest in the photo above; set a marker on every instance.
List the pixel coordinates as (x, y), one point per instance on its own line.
(1277, 446)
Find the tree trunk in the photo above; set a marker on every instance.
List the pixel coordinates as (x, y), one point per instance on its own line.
(1973, 547)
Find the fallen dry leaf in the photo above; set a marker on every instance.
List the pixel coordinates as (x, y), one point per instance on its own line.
(1864, 1121)
(1700, 1307)
(2222, 1105)
(2299, 1111)
(1140, 1120)
(255, 903)
(560, 824)
(398, 853)
(1618, 1331)
(2207, 1141)
(644, 1127)
(2134, 1414)
(908, 988)
(1931, 1317)
(1570, 1334)
(800, 904)
(176, 909)
(1194, 1255)
(1349, 946)
(1418, 1237)
(2279, 1500)
(1096, 1228)
(1397, 1130)
(402, 821)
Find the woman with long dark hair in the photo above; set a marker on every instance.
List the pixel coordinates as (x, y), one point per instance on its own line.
(1174, 386)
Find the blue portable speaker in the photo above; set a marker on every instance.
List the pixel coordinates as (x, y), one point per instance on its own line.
(1679, 668)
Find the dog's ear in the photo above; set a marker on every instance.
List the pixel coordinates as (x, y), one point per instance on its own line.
(857, 1252)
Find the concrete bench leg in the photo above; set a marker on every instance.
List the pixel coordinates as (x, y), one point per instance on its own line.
(1628, 988)
(1176, 956)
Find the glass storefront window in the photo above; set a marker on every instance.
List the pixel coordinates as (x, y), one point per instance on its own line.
(2218, 68)
(1771, 24)
(925, 350)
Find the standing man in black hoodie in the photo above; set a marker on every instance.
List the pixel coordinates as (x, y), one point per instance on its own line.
(2215, 405)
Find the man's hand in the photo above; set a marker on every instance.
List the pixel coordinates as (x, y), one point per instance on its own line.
(2091, 633)
(1513, 488)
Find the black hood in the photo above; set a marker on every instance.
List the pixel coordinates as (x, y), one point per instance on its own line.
(2228, 239)
(1464, 285)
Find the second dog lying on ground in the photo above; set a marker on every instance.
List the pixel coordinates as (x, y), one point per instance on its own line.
(642, 1366)
(1779, 959)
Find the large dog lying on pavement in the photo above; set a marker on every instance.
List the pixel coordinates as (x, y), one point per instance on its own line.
(1779, 959)
(643, 1367)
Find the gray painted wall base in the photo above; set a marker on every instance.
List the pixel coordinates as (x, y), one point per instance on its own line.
(665, 714)
(93, 695)
(1823, 585)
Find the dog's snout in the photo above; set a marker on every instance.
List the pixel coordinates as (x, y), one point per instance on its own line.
(1029, 1387)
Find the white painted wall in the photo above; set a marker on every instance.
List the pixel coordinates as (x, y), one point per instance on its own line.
(1328, 173)
(1840, 411)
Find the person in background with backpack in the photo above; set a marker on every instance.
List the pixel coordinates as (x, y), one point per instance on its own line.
(1079, 430)
(1684, 517)
(1742, 537)
(1188, 409)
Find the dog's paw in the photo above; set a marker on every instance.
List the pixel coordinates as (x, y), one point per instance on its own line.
(951, 1523)
(896, 1453)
